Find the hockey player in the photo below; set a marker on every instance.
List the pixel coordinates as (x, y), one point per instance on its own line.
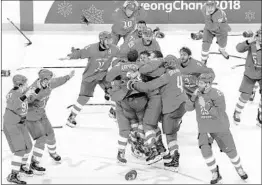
(137, 33)
(173, 102)
(38, 124)
(146, 43)
(130, 105)
(252, 74)
(215, 26)
(125, 19)
(15, 130)
(190, 69)
(212, 119)
(99, 57)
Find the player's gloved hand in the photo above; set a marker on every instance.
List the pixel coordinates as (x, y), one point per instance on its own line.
(22, 121)
(248, 34)
(198, 35)
(158, 33)
(130, 84)
(84, 20)
(71, 74)
(194, 95)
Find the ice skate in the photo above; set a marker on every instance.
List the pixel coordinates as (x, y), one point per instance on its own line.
(38, 170)
(236, 118)
(112, 113)
(252, 97)
(160, 147)
(167, 158)
(24, 170)
(242, 174)
(224, 53)
(71, 121)
(121, 157)
(14, 178)
(174, 164)
(216, 177)
(55, 156)
(153, 156)
(259, 118)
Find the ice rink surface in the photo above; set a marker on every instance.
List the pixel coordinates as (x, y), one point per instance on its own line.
(89, 151)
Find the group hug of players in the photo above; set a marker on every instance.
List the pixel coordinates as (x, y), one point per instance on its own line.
(147, 88)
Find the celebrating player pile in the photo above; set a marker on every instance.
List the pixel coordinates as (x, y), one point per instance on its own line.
(152, 93)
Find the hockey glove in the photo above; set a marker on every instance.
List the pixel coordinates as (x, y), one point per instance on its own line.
(197, 36)
(130, 84)
(248, 34)
(75, 52)
(84, 20)
(158, 33)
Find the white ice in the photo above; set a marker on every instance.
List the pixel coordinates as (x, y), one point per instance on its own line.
(89, 151)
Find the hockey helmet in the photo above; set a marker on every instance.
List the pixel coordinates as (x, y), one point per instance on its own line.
(45, 74)
(130, 5)
(19, 80)
(206, 77)
(210, 7)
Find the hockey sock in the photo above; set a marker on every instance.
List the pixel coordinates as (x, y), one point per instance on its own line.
(24, 159)
(172, 143)
(241, 104)
(38, 149)
(209, 158)
(235, 159)
(51, 145)
(17, 162)
(122, 143)
(158, 133)
(78, 106)
(204, 55)
(150, 138)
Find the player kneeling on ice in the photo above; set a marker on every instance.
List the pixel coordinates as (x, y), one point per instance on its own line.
(100, 56)
(38, 124)
(130, 105)
(215, 26)
(252, 75)
(213, 124)
(15, 130)
(173, 102)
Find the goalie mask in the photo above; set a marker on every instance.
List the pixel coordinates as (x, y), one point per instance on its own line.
(204, 82)
(20, 81)
(45, 77)
(147, 36)
(105, 39)
(210, 7)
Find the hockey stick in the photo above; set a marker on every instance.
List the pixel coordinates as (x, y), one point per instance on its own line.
(233, 56)
(94, 104)
(239, 65)
(29, 41)
(50, 67)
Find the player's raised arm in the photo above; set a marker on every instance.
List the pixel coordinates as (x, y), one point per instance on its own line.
(56, 82)
(77, 53)
(244, 46)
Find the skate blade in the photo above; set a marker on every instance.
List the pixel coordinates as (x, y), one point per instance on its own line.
(158, 158)
(173, 169)
(167, 160)
(38, 172)
(70, 125)
(120, 163)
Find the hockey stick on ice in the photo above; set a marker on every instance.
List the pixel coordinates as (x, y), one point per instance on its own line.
(50, 67)
(233, 56)
(239, 65)
(29, 41)
(94, 104)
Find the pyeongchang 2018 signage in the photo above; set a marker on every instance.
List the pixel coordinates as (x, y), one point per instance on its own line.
(158, 12)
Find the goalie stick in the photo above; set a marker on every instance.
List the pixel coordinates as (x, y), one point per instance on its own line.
(29, 41)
